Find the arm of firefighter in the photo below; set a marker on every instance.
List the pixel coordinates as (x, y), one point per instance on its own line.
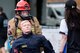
(48, 48)
(9, 30)
(11, 27)
(37, 26)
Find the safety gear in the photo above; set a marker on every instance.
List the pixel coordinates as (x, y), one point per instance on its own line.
(27, 17)
(36, 28)
(70, 4)
(22, 5)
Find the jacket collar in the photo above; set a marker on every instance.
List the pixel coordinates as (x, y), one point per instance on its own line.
(27, 35)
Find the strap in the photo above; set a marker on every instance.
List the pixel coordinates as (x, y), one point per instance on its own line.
(16, 24)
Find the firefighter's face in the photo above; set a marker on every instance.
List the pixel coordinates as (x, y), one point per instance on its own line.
(26, 26)
(24, 13)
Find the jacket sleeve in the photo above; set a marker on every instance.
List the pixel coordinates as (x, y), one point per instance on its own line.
(37, 26)
(48, 48)
(11, 27)
(15, 48)
(11, 51)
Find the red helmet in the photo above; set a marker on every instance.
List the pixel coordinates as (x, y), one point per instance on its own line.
(22, 5)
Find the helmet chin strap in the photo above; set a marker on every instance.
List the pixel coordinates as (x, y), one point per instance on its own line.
(26, 17)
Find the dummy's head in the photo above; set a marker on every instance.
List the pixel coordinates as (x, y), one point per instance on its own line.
(26, 26)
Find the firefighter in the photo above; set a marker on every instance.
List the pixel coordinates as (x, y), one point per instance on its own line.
(29, 42)
(22, 12)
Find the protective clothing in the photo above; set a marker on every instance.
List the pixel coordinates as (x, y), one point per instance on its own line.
(36, 28)
(14, 23)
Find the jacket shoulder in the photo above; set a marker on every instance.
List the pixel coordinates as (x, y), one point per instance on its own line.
(11, 20)
(17, 42)
(41, 37)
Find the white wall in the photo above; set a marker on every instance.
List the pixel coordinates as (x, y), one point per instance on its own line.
(53, 36)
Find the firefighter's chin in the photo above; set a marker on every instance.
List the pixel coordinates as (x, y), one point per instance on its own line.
(24, 15)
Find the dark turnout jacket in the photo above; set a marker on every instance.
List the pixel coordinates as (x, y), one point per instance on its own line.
(31, 44)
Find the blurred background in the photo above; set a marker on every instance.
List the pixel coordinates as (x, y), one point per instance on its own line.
(48, 12)
(44, 10)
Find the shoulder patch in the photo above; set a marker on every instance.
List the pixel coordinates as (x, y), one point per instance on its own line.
(24, 46)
